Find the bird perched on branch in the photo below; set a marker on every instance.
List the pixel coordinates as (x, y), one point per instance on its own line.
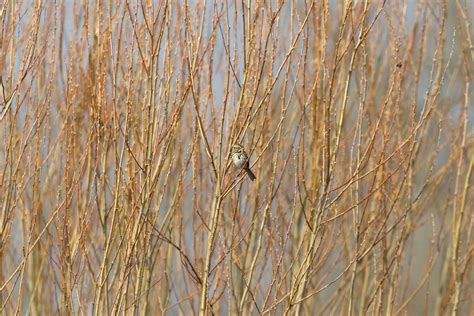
(240, 158)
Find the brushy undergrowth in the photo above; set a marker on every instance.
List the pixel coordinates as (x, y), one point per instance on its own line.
(117, 195)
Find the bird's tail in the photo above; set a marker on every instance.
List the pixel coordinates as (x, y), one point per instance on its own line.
(250, 173)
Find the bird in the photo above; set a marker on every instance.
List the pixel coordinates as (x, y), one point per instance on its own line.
(240, 158)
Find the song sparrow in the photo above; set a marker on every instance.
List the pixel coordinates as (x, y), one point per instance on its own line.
(240, 158)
